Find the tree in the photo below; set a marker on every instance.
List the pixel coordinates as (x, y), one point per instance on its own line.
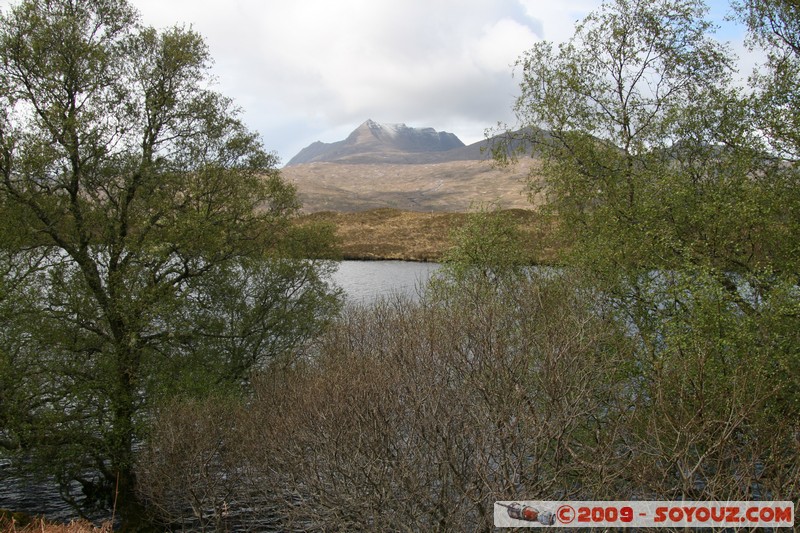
(172, 265)
(679, 194)
(775, 115)
(775, 27)
(488, 243)
(609, 103)
(651, 157)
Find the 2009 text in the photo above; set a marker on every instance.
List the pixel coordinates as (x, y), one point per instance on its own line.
(644, 514)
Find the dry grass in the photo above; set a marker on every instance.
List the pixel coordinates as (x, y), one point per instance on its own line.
(408, 211)
(453, 186)
(414, 236)
(9, 524)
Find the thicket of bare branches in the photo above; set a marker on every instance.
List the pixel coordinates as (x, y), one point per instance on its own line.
(418, 416)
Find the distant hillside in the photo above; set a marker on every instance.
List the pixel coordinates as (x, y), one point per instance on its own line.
(451, 186)
(374, 143)
(415, 169)
(414, 236)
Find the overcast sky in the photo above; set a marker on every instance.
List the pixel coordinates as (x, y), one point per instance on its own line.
(307, 70)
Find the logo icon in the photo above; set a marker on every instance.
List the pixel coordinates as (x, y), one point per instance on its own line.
(565, 514)
(527, 513)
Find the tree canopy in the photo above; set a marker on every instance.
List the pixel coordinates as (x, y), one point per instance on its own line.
(677, 189)
(148, 249)
(653, 157)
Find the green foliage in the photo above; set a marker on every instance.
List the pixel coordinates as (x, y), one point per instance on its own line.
(652, 160)
(489, 243)
(775, 27)
(612, 101)
(679, 192)
(149, 249)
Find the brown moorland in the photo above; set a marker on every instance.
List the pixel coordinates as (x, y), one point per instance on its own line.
(452, 186)
(414, 236)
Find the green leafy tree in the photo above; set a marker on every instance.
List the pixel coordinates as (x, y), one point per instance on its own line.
(774, 106)
(487, 258)
(610, 101)
(489, 241)
(678, 193)
(775, 27)
(167, 263)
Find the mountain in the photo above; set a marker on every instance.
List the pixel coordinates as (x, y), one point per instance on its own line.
(415, 169)
(372, 142)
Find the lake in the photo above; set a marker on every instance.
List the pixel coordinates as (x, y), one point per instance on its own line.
(364, 281)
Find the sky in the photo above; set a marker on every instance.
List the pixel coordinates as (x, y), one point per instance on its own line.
(309, 70)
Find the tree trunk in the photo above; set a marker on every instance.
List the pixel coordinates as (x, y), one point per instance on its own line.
(127, 505)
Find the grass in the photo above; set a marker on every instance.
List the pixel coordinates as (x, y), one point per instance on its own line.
(387, 233)
(453, 186)
(22, 523)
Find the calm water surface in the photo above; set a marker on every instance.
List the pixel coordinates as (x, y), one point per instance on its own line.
(365, 281)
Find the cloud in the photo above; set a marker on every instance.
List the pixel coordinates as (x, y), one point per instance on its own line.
(314, 69)
(556, 20)
(331, 65)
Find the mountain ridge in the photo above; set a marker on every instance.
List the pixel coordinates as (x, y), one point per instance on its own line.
(372, 142)
(414, 169)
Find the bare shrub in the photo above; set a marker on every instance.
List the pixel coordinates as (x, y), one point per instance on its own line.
(186, 473)
(420, 416)
(414, 416)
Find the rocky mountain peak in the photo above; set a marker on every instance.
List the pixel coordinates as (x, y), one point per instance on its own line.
(380, 142)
